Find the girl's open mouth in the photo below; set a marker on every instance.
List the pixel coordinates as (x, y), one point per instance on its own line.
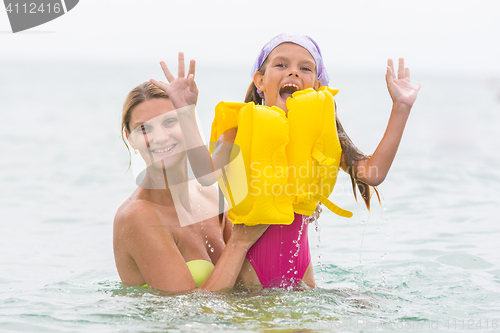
(287, 90)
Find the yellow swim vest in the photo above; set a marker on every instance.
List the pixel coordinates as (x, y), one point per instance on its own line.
(281, 163)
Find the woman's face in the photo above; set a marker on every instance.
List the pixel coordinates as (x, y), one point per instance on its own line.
(157, 134)
(290, 67)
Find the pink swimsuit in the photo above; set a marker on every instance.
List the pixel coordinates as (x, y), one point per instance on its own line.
(281, 255)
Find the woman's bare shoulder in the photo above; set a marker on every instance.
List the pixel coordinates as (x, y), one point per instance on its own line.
(135, 211)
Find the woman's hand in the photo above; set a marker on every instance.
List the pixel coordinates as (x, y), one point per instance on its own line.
(400, 88)
(247, 235)
(182, 90)
(228, 267)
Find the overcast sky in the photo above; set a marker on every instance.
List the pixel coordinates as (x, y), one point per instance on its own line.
(433, 35)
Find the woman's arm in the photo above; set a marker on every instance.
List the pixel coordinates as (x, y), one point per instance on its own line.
(183, 93)
(227, 227)
(229, 265)
(140, 234)
(374, 168)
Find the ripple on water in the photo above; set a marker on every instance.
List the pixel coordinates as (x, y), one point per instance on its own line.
(464, 260)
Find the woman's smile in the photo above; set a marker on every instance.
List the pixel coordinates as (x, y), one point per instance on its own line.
(164, 150)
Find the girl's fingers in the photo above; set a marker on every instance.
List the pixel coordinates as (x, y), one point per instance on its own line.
(182, 70)
(389, 76)
(401, 69)
(407, 73)
(192, 66)
(166, 71)
(390, 65)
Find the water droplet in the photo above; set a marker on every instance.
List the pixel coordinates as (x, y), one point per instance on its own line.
(212, 249)
(295, 272)
(209, 245)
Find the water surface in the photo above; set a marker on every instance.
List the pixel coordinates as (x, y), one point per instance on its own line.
(428, 256)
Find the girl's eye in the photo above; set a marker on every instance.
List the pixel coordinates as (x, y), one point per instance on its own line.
(280, 65)
(307, 69)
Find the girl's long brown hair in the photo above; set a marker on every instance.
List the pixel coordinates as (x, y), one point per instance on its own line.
(351, 154)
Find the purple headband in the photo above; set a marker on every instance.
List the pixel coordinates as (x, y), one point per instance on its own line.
(306, 42)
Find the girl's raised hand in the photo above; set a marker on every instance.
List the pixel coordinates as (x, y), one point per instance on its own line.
(181, 90)
(400, 88)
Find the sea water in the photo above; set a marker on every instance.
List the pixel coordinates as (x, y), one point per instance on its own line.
(426, 258)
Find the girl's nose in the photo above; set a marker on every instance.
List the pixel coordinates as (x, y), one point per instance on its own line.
(294, 72)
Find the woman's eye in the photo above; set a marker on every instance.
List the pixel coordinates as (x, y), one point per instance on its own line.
(169, 122)
(143, 129)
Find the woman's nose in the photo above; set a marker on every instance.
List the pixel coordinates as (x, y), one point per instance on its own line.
(160, 136)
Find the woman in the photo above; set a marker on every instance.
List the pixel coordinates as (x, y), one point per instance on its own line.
(161, 238)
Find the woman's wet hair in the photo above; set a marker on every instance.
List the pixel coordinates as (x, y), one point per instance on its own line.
(143, 92)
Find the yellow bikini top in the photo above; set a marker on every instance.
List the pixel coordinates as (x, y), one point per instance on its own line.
(200, 270)
(281, 162)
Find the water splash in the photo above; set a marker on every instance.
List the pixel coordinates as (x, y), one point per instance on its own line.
(305, 221)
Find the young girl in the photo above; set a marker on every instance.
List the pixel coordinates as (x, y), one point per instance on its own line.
(286, 64)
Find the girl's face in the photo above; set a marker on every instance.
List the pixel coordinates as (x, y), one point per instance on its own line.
(289, 67)
(156, 133)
